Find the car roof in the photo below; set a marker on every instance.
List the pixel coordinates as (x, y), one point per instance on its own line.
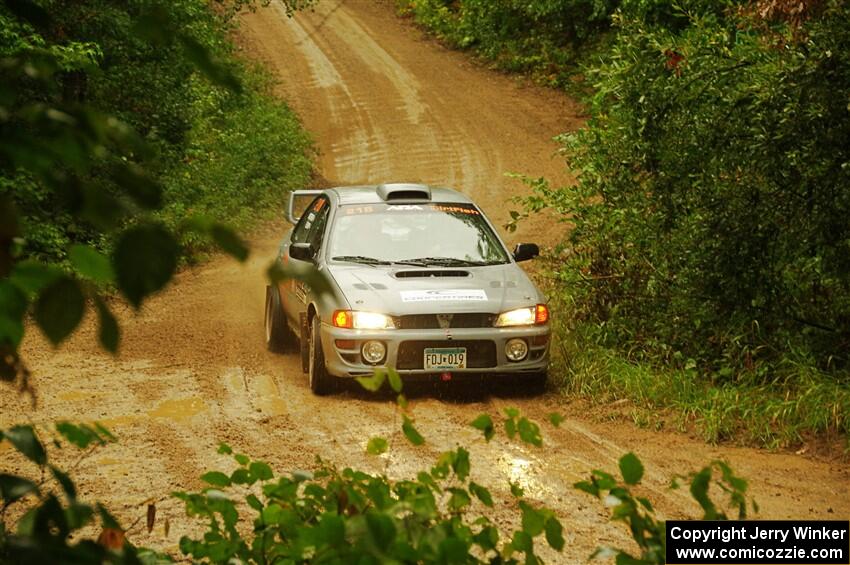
(369, 194)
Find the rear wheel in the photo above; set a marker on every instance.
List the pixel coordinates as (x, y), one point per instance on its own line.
(279, 338)
(321, 382)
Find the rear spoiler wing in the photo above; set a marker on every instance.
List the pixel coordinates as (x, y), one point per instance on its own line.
(293, 211)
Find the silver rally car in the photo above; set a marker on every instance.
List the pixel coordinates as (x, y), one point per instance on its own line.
(420, 282)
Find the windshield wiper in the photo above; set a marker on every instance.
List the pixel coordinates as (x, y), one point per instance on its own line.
(361, 259)
(448, 262)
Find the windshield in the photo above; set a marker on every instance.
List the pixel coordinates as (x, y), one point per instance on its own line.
(447, 234)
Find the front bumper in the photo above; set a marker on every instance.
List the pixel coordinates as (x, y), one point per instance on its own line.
(404, 347)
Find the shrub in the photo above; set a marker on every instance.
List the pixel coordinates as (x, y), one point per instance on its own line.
(708, 221)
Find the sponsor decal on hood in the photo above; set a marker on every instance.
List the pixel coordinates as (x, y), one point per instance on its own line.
(438, 295)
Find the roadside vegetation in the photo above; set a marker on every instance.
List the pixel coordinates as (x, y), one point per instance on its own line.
(706, 273)
(216, 152)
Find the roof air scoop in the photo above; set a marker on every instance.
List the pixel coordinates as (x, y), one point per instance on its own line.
(403, 191)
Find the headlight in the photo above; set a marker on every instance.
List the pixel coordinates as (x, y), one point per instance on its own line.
(362, 320)
(534, 315)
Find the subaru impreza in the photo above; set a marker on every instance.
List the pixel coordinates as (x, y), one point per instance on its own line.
(419, 280)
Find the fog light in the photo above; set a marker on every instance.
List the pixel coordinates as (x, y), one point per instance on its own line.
(373, 352)
(516, 349)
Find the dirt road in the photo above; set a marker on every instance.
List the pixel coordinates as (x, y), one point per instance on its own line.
(384, 103)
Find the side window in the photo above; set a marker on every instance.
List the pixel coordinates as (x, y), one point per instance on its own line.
(317, 232)
(305, 225)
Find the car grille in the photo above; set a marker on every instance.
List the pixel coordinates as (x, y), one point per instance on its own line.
(480, 354)
(431, 322)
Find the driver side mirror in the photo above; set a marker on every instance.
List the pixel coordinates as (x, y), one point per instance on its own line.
(302, 251)
(526, 251)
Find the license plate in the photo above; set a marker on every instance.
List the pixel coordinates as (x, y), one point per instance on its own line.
(445, 358)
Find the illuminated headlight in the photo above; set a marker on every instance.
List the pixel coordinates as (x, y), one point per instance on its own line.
(372, 321)
(362, 320)
(538, 314)
(516, 349)
(373, 352)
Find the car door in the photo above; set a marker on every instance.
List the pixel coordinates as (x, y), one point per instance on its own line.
(309, 229)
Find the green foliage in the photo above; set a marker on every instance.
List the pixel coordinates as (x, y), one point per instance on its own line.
(639, 515)
(128, 133)
(708, 220)
(50, 514)
(542, 36)
(707, 244)
(346, 515)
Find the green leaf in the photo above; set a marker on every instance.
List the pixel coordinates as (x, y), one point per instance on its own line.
(229, 242)
(460, 463)
(401, 400)
(589, 487)
(23, 438)
(145, 259)
(224, 449)
(381, 529)
(31, 276)
(394, 379)
(510, 428)
(555, 419)
(64, 481)
(631, 468)
(481, 493)
(374, 382)
(376, 446)
(484, 423)
(254, 502)
(516, 490)
(214, 70)
(533, 521)
(80, 435)
(136, 182)
(453, 550)
(109, 333)
(216, 478)
(529, 432)
(91, 263)
(699, 490)
(521, 541)
(261, 471)
(13, 307)
(242, 459)
(459, 498)
(333, 528)
(554, 534)
(241, 477)
(59, 309)
(410, 432)
(13, 488)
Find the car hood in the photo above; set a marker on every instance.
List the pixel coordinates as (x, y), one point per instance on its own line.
(415, 290)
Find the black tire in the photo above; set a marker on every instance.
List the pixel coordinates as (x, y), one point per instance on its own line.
(321, 382)
(278, 336)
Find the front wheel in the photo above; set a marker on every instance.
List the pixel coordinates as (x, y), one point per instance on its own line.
(277, 334)
(321, 382)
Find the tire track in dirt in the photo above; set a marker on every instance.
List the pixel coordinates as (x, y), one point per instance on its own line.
(384, 103)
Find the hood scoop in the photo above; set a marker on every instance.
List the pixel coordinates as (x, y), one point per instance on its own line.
(428, 273)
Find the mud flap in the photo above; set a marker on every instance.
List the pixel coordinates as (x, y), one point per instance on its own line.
(305, 344)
